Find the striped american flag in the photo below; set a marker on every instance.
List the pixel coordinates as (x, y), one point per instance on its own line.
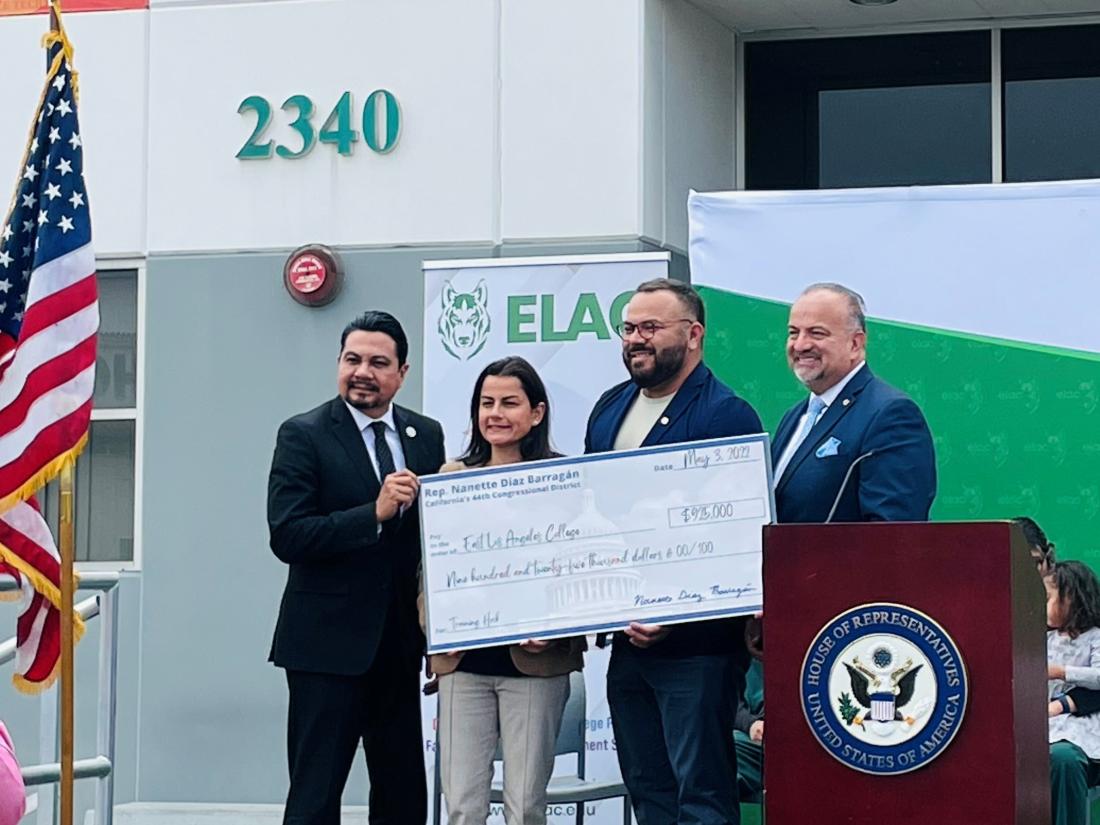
(49, 316)
(38, 630)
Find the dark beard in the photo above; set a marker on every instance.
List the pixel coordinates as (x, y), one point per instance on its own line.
(666, 363)
(365, 406)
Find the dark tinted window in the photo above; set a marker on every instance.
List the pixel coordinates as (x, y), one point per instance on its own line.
(116, 361)
(868, 111)
(106, 470)
(1051, 103)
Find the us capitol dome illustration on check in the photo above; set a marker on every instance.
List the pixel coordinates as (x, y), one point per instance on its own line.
(601, 555)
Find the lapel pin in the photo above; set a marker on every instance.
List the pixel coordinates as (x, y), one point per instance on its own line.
(664, 419)
(410, 432)
(846, 402)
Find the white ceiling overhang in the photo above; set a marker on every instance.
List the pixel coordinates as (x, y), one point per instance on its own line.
(779, 17)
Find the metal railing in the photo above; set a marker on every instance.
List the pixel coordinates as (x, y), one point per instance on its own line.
(101, 766)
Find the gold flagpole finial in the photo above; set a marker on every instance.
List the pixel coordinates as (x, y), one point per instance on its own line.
(57, 36)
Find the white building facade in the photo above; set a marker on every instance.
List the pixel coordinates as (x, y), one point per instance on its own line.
(219, 136)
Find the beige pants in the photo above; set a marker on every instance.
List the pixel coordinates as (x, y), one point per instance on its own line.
(525, 713)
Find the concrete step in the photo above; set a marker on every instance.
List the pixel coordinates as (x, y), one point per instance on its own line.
(205, 813)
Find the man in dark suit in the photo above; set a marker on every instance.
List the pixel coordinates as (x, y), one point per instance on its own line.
(342, 512)
(672, 691)
(857, 449)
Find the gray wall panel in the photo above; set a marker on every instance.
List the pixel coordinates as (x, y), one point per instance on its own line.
(228, 357)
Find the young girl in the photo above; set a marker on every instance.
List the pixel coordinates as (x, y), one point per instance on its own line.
(1073, 659)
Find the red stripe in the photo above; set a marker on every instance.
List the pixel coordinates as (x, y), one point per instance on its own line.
(31, 552)
(43, 379)
(58, 306)
(41, 659)
(51, 442)
(49, 648)
(25, 621)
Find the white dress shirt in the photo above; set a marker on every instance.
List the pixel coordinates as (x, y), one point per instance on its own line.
(363, 422)
(828, 397)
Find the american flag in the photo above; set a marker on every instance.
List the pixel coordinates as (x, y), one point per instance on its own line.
(38, 628)
(49, 315)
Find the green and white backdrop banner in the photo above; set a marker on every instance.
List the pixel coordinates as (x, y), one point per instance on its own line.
(982, 306)
(559, 314)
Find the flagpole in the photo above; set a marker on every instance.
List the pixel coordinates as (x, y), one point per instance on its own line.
(67, 673)
(67, 580)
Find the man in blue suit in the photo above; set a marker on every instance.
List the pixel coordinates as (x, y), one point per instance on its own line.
(672, 691)
(857, 449)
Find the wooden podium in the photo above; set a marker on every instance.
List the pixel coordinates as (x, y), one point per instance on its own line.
(905, 675)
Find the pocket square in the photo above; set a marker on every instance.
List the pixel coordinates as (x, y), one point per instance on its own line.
(828, 448)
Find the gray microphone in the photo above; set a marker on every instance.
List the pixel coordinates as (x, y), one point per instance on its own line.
(844, 484)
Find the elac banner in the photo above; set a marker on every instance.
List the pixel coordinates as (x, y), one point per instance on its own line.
(559, 313)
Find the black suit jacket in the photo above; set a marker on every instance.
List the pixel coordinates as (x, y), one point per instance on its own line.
(345, 577)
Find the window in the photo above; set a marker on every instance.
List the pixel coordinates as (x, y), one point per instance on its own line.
(106, 470)
(868, 111)
(1051, 103)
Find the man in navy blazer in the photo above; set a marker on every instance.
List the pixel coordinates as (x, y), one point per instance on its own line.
(672, 691)
(857, 449)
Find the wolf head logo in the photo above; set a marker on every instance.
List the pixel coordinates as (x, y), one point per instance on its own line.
(464, 321)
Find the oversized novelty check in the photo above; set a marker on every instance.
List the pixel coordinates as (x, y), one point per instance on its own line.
(569, 546)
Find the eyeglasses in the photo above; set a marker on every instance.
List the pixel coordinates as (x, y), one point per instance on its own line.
(646, 329)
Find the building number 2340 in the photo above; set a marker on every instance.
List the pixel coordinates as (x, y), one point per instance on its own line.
(381, 125)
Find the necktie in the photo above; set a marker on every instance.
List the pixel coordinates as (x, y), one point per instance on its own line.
(382, 451)
(813, 411)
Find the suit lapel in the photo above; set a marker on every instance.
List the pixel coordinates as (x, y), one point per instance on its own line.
(616, 412)
(412, 443)
(680, 404)
(836, 411)
(786, 430)
(345, 431)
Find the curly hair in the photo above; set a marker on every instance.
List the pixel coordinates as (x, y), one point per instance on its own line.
(1079, 591)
